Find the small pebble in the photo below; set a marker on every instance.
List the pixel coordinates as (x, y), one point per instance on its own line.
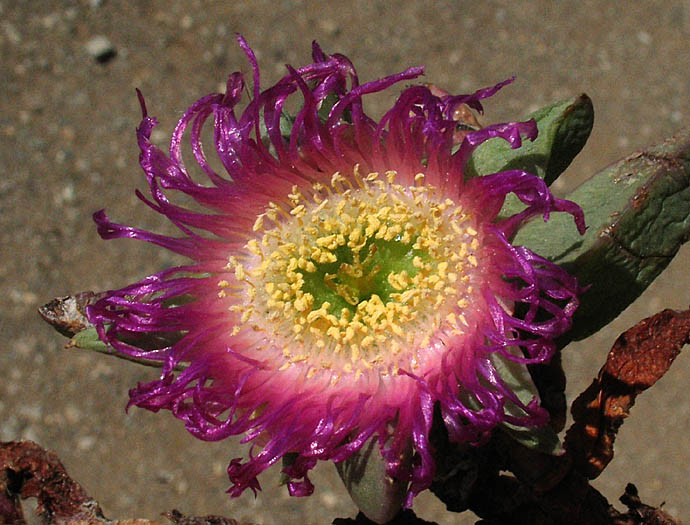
(181, 487)
(186, 22)
(72, 414)
(11, 33)
(85, 443)
(644, 38)
(164, 476)
(101, 49)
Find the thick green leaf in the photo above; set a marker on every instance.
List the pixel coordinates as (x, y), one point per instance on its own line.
(563, 130)
(88, 340)
(377, 495)
(638, 216)
(515, 375)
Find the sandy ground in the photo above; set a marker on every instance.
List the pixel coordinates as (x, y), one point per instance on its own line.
(67, 148)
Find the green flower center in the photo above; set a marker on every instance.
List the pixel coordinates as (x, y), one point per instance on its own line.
(359, 274)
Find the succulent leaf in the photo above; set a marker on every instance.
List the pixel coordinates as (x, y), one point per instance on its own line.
(638, 216)
(563, 130)
(375, 493)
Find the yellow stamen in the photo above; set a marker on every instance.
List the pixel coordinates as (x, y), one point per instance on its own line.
(333, 242)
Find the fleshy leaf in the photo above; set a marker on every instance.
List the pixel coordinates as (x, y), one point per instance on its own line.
(563, 130)
(638, 216)
(375, 493)
(88, 340)
(515, 375)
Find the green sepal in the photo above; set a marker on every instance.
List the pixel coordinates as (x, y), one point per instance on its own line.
(88, 339)
(327, 105)
(375, 493)
(517, 378)
(638, 215)
(286, 122)
(563, 130)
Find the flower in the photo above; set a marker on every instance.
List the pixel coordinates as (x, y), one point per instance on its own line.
(346, 276)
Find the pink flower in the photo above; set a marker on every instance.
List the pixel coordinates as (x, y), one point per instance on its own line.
(345, 276)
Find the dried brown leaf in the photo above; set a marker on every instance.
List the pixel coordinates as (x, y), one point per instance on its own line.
(67, 314)
(637, 360)
(27, 470)
(639, 513)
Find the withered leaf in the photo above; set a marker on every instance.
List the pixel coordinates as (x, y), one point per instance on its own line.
(29, 471)
(638, 359)
(67, 314)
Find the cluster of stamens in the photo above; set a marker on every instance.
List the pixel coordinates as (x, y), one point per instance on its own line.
(358, 274)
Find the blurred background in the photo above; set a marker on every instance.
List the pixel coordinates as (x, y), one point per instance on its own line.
(67, 148)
